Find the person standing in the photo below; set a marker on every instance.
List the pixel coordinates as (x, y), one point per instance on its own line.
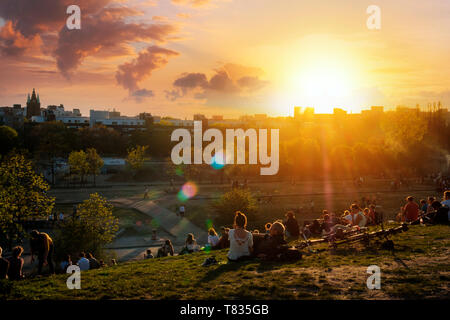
(16, 264)
(4, 266)
(42, 245)
(182, 211)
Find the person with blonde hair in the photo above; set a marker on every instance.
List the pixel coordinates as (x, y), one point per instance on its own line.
(190, 245)
(213, 239)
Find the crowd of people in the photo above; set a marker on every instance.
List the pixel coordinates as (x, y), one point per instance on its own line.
(242, 243)
(42, 248)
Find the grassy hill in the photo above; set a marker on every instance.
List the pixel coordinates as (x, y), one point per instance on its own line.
(420, 268)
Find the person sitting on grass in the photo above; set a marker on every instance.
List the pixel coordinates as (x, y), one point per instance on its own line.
(16, 264)
(213, 239)
(190, 245)
(93, 263)
(446, 202)
(369, 216)
(241, 240)
(224, 241)
(411, 209)
(358, 218)
(113, 262)
(4, 266)
(66, 263)
(347, 218)
(441, 215)
(102, 264)
(267, 227)
(430, 202)
(292, 228)
(423, 205)
(274, 246)
(148, 254)
(165, 249)
(378, 216)
(83, 263)
(314, 228)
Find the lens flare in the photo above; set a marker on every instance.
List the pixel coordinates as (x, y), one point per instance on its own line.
(209, 224)
(179, 171)
(218, 161)
(188, 190)
(155, 223)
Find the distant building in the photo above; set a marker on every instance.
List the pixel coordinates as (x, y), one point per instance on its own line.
(33, 105)
(12, 117)
(114, 120)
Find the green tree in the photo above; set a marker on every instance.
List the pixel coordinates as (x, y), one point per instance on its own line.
(135, 158)
(8, 139)
(404, 128)
(23, 195)
(49, 141)
(94, 161)
(78, 164)
(93, 227)
(232, 201)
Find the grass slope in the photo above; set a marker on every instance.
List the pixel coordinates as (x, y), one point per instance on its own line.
(420, 268)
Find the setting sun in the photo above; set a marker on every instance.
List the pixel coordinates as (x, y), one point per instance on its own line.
(324, 85)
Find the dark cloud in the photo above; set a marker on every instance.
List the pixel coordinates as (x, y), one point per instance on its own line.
(106, 30)
(191, 81)
(141, 94)
(31, 17)
(131, 73)
(221, 83)
(13, 43)
(251, 83)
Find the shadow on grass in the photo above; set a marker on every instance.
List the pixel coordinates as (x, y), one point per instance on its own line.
(263, 266)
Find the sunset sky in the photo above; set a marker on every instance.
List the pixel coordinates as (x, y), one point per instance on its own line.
(227, 57)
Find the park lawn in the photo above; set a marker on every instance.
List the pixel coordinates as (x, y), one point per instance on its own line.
(420, 268)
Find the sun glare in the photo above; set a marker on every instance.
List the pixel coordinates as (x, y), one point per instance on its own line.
(324, 88)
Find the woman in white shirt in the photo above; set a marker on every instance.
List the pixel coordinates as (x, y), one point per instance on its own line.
(213, 239)
(241, 240)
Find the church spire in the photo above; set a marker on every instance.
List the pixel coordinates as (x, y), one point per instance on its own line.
(28, 98)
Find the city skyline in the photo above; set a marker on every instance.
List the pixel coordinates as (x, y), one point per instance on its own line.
(177, 58)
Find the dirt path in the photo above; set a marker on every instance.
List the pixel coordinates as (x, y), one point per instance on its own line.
(168, 220)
